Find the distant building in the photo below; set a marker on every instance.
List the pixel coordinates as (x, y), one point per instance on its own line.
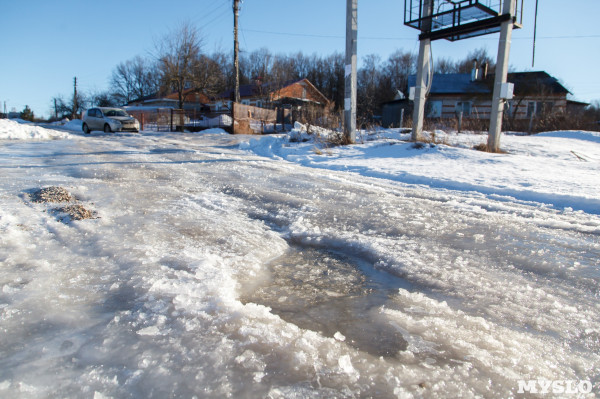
(194, 101)
(535, 94)
(293, 94)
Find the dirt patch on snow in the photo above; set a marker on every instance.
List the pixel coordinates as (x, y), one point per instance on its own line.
(67, 213)
(51, 194)
(74, 212)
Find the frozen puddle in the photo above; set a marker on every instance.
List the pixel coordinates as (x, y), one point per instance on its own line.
(332, 293)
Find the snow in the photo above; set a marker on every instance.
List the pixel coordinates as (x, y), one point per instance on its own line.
(556, 168)
(11, 129)
(214, 130)
(75, 125)
(246, 266)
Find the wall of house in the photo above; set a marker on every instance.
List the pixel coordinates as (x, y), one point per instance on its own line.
(524, 106)
(298, 90)
(447, 107)
(225, 106)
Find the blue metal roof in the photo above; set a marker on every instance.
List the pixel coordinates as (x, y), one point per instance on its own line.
(525, 83)
(454, 83)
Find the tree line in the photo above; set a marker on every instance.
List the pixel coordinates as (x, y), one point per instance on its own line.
(178, 63)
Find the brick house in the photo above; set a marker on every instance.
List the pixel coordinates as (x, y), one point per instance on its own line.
(293, 94)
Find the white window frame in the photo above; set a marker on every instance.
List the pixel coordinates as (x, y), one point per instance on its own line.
(435, 109)
(466, 111)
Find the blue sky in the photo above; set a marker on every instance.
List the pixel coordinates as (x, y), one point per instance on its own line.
(47, 43)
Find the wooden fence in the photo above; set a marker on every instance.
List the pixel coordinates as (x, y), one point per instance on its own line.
(253, 120)
(245, 119)
(170, 120)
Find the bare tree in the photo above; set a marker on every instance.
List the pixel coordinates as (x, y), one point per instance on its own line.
(260, 64)
(399, 66)
(445, 66)
(368, 86)
(62, 108)
(480, 56)
(178, 55)
(133, 79)
(208, 75)
(103, 99)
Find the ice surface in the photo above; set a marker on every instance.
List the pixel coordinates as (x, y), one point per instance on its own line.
(335, 294)
(211, 271)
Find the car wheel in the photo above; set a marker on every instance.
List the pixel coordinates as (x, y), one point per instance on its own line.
(107, 128)
(85, 128)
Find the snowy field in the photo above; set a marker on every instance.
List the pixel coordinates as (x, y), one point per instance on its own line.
(212, 265)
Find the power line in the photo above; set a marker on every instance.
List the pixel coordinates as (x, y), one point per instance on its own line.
(205, 15)
(294, 34)
(218, 17)
(325, 36)
(403, 38)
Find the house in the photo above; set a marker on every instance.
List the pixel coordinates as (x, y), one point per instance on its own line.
(535, 94)
(292, 94)
(194, 101)
(14, 115)
(394, 112)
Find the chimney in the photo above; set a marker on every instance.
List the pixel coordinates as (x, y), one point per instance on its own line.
(484, 71)
(474, 72)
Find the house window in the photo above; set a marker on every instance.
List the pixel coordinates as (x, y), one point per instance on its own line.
(464, 107)
(543, 107)
(246, 102)
(530, 109)
(434, 109)
(510, 108)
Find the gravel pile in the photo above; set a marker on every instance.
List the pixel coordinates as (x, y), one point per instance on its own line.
(51, 194)
(76, 212)
(54, 194)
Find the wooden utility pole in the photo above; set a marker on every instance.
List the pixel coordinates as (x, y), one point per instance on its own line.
(75, 104)
(422, 75)
(236, 50)
(500, 78)
(350, 79)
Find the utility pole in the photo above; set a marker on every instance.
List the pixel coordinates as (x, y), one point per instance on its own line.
(500, 78)
(421, 84)
(236, 50)
(350, 79)
(75, 105)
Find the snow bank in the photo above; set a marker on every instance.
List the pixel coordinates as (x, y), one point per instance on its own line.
(593, 137)
(559, 169)
(12, 130)
(214, 130)
(74, 125)
(304, 133)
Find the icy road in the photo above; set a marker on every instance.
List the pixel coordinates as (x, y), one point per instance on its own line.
(208, 271)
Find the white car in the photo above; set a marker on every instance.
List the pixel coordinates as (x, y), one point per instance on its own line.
(109, 120)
